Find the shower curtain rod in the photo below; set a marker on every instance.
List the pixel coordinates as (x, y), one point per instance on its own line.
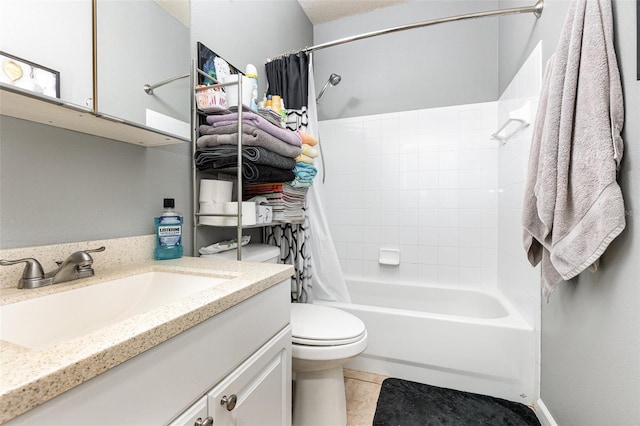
(536, 9)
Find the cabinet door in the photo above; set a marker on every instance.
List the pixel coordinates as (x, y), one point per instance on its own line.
(54, 35)
(194, 416)
(259, 391)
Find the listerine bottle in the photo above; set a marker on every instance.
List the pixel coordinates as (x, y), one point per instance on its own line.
(169, 232)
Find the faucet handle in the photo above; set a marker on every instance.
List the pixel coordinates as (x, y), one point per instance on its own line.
(84, 260)
(82, 257)
(32, 271)
(99, 249)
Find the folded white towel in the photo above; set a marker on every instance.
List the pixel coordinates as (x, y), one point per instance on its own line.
(224, 245)
(573, 206)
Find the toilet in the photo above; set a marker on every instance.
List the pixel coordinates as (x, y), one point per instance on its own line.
(323, 340)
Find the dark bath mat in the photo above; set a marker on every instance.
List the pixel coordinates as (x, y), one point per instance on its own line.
(405, 403)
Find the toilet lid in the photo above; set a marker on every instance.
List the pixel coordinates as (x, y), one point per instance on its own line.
(317, 325)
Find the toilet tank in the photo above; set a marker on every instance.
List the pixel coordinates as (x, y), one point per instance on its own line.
(262, 253)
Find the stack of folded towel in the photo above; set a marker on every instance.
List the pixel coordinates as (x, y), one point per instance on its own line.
(268, 152)
(304, 170)
(277, 163)
(287, 202)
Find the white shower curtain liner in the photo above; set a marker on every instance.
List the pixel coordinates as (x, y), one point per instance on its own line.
(327, 279)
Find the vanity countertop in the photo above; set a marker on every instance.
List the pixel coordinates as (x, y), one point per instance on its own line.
(30, 377)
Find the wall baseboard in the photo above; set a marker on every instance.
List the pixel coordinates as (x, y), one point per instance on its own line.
(543, 414)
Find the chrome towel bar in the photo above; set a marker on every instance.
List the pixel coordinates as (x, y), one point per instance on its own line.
(148, 88)
(522, 125)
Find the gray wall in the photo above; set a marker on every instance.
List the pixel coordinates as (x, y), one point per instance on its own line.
(60, 186)
(441, 65)
(247, 32)
(591, 327)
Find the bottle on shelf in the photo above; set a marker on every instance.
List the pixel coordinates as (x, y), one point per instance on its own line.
(252, 73)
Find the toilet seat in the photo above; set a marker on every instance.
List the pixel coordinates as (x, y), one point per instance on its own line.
(315, 325)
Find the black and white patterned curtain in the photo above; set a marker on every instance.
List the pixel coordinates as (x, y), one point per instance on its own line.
(288, 78)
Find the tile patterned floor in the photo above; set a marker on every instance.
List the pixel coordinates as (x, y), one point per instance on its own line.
(362, 391)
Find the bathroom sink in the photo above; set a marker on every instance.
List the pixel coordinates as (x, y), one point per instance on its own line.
(47, 320)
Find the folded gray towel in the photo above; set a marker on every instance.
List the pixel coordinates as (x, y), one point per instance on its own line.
(258, 121)
(251, 136)
(573, 206)
(221, 156)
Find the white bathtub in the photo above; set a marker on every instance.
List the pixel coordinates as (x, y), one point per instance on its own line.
(470, 340)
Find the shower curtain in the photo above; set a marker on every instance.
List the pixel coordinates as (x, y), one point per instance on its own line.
(311, 242)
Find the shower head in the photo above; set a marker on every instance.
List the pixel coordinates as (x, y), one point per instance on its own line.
(334, 80)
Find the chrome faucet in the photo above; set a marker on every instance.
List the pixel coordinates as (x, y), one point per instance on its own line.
(77, 265)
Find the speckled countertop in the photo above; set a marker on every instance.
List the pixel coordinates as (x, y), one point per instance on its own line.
(29, 377)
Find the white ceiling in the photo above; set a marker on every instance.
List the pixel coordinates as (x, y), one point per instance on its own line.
(320, 11)
(178, 8)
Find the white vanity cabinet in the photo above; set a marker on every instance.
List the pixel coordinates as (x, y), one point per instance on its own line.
(256, 393)
(243, 351)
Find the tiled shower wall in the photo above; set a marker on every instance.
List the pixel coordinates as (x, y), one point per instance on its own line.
(517, 279)
(423, 182)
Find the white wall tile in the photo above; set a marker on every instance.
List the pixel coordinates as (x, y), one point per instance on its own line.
(448, 198)
(471, 257)
(448, 274)
(448, 218)
(427, 255)
(389, 273)
(428, 199)
(424, 181)
(428, 160)
(471, 119)
(371, 251)
(448, 256)
(427, 274)
(408, 272)
(355, 251)
(389, 235)
(407, 199)
(354, 268)
(408, 253)
(428, 236)
(448, 118)
(407, 234)
(470, 277)
(471, 179)
(370, 270)
(355, 234)
(448, 237)
(408, 217)
(427, 179)
(470, 237)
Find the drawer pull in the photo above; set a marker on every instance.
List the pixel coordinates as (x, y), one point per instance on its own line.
(206, 422)
(229, 402)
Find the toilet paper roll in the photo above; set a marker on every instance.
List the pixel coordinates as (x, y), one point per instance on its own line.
(216, 191)
(213, 208)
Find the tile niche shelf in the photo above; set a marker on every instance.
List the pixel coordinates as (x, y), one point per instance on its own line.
(19, 103)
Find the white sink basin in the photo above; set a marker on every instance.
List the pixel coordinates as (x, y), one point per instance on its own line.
(47, 320)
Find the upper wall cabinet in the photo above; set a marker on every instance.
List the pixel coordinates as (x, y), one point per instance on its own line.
(144, 43)
(47, 52)
(53, 35)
